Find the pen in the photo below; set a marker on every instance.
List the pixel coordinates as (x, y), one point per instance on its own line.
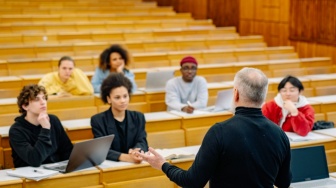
(38, 171)
(188, 102)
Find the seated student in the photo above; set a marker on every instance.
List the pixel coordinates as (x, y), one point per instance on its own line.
(37, 137)
(187, 88)
(112, 59)
(289, 109)
(127, 126)
(67, 81)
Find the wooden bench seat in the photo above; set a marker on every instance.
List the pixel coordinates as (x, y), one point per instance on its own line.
(71, 36)
(92, 17)
(97, 10)
(55, 27)
(95, 48)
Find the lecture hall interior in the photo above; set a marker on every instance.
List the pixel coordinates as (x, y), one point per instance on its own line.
(280, 37)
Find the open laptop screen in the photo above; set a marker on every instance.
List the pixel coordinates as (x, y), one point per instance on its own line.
(309, 163)
(157, 80)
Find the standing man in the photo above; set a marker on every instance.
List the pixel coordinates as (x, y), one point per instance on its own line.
(187, 92)
(37, 137)
(247, 150)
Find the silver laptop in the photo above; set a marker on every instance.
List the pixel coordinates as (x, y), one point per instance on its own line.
(309, 168)
(156, 81)
(84, 155)
(223, 101)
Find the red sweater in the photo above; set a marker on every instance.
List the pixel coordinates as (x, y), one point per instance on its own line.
(300, 124)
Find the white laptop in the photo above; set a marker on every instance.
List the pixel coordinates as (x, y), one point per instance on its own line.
(223, 101)
(156, 81)
(309, 168)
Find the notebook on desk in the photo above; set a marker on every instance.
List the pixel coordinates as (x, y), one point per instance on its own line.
(223, 101)
(309, 168)
(84, 155)
(157, 80)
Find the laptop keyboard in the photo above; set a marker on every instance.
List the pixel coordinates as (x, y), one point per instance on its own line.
(317, 183)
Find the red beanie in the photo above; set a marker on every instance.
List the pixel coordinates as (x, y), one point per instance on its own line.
(188, 59)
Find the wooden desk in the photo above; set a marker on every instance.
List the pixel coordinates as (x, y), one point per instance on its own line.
(10, 82)
(156, 100)
(8, 105)
(31, 79)
(327, 103)
(329, 143)
(79, 129)
(6, 149)
(162, 121)
(196, 126)
(322, 79)
(9, 181)
(203, 119)
(82, 178)
(114, 172)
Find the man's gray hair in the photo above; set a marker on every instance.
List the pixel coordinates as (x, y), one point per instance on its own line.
(252, 85)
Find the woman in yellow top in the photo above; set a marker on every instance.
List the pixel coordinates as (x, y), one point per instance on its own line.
(67, 81)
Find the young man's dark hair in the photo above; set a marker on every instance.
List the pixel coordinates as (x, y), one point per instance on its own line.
(293, 80)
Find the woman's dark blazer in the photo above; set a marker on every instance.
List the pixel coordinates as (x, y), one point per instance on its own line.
(103, 124)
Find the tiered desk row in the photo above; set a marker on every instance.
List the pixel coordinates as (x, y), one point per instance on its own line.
(95, 48)
(164, 129)
(120, 174)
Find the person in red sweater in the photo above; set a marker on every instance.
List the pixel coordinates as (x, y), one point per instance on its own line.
(289, 109)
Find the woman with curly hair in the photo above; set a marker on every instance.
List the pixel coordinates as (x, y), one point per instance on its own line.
(113, 59)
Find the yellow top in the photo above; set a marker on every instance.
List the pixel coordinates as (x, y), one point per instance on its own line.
(77, 84)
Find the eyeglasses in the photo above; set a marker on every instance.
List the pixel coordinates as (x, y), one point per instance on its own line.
(292, 90)
(189, 69)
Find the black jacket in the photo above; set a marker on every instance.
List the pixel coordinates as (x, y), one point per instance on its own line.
(103, 124)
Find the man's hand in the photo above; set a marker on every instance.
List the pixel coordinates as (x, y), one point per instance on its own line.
(155, 160)
(188, 109)
(44, 120)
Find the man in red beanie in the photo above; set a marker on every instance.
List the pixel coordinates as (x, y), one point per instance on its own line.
(187, 92)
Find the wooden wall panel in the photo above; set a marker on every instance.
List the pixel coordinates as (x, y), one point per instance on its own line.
(302, 21)
(268, 19)
(272, 19)
(199, 9)
(224, 12)
(313, 21)
(326, 22)
(248, 10)
(284, 11)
